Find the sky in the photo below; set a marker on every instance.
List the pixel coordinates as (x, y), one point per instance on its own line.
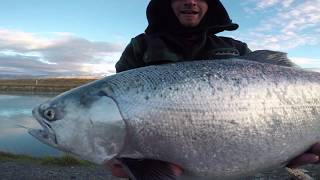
(86, 38)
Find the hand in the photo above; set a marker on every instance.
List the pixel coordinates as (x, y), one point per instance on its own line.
(116, 169)
(312, 156)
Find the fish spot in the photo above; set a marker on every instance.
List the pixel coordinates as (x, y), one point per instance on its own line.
(194, 138)
(314, 111)
(91, 122)
(146, 97)
(236, 81)
(233, 122)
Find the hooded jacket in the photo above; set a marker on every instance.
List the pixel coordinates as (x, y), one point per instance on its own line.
(165, 40)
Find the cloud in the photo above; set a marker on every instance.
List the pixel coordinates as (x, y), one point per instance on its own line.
(282, 41)
(61, 54)
(286, 24)
(28, 65)
(20, 41)
(262, 4)
(306, 62)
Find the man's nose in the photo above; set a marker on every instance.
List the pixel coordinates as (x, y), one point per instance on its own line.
(190, 2)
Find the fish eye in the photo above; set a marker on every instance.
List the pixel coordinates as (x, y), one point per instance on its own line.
(49, 114)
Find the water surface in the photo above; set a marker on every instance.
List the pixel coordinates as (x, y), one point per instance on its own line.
(15, 110)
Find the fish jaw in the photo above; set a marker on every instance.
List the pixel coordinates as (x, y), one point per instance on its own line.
(46, 134)
(43, 136)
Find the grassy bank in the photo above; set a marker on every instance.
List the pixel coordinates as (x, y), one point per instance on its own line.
(65, 160)
(41, 85)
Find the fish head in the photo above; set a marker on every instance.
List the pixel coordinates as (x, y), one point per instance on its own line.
(85, 122)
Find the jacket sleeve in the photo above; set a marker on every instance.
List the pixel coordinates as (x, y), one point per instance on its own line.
(132, 56)
(126, 60)
(239, 45)
(244, 49)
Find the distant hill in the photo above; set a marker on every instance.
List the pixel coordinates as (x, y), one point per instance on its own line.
(15, 76)
(36, 84)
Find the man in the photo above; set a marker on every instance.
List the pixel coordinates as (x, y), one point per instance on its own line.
(184, 30)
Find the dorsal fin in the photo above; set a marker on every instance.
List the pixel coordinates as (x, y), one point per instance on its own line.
(271, 57)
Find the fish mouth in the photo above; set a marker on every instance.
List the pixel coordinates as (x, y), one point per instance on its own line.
(46, 134)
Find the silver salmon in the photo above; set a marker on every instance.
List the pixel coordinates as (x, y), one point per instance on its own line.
(217, 119)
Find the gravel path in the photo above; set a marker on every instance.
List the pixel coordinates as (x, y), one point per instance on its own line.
(11, 170)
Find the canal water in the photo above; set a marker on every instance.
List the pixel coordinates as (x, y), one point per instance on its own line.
(16, 111)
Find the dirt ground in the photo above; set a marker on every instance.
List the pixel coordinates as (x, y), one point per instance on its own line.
(11, 170)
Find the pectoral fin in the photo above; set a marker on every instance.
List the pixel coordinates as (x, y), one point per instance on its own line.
(298, 174)
(148, 169)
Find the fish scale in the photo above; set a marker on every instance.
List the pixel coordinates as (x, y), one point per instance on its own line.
(239, 79)
(218, 119)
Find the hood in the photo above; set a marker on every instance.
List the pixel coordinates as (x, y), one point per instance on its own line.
(162, 19)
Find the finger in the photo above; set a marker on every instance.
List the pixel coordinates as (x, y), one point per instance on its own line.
(177, 170)
(304, 159)
(117, 170)
(316, 149)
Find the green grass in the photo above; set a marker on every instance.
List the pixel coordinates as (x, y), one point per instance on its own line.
(65, 160)
(4, 156)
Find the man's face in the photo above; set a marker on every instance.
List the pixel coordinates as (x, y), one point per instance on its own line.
(189, 12)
